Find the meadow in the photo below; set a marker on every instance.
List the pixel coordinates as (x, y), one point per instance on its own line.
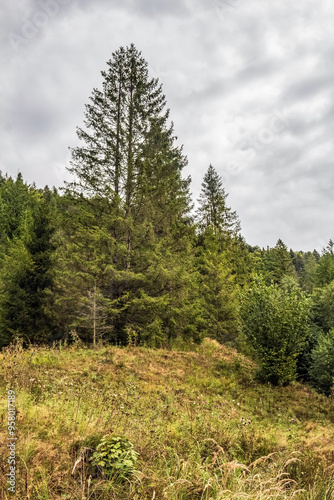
(199, 424)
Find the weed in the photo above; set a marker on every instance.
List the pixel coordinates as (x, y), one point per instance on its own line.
(115, 456)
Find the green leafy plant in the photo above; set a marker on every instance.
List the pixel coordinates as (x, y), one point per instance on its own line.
(116, 456)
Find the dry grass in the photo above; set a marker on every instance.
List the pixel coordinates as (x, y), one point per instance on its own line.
(202, 426)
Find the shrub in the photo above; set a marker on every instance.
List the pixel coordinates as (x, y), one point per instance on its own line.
(322, 366)
(116, 456)
(275, 323)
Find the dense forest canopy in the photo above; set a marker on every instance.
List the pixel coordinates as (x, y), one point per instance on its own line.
(121, 255)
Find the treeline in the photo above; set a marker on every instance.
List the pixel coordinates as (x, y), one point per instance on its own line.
(74, 263)
(120, 254)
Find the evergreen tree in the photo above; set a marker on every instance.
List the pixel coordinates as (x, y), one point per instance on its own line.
(129, 196)
(219, 294)
(14, 201)
(309, 273)
(278, 262)
(325, 268)
(213, 213)
(26, 274)
(119, 121)
(222, 259)
(298, 261)
(83, 265)
(323, 307)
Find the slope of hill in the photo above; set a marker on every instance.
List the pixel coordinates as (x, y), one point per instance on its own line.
(202, 426)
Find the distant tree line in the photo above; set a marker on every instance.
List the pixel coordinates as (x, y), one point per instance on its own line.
(119, 254)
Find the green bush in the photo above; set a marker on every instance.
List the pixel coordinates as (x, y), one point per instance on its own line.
(116, 456)
(322, 366)
(275, 324)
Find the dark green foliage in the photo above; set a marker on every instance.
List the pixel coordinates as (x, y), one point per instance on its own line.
(325, 268)
(305, 265)
(222, 259)
(323, 307)
(275, 323)
(304, 361)
(26, 274)
(119, 120)
(308, 274)
(322, 367)
(83, 264)
(15, 199)
(213, 213)
(298, 262)
(129, 228)
(218, 291)
(278, 263)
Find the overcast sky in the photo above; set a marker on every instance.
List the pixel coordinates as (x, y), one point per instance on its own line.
(250, 86)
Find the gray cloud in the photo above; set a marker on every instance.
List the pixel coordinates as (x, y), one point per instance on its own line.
(249, 86)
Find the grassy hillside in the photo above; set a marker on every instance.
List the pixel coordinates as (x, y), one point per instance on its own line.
(203, 428)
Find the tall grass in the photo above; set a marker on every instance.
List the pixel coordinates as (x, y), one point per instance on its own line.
(203, 428)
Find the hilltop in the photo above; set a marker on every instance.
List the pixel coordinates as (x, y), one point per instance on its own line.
(202, 426)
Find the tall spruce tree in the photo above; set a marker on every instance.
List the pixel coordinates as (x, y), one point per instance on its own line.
(222, 259)
(128, 178)
(126, 135)
(213, 213)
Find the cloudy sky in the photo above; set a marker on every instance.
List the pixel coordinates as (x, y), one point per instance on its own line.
(250, 86)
